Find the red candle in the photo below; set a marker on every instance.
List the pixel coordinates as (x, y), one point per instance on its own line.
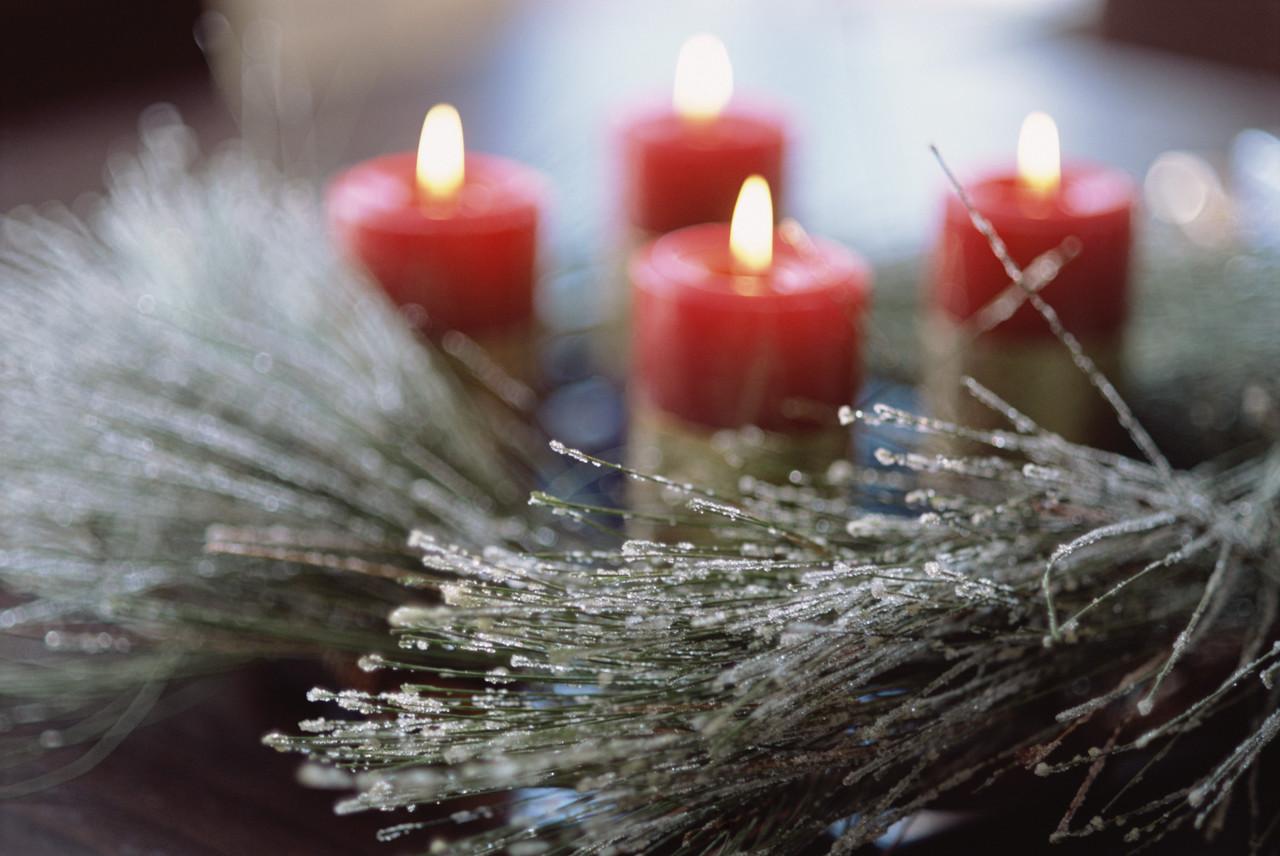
(1034, 209)
(738, 325)
(453, 234)
(683, 163)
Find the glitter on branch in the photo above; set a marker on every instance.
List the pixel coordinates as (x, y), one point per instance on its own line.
(812, 661)
(216, 440)
(217, 443)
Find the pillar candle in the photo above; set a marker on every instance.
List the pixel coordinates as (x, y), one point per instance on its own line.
(682, 163)
(739, 327)
(454, 235)
(1034, 208)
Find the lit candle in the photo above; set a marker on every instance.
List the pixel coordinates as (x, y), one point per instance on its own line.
(744, 326)
(451, 234)
(682, 163)
(1034, 208)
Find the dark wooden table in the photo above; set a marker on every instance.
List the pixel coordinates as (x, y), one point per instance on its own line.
(201, 784)
(198, 783)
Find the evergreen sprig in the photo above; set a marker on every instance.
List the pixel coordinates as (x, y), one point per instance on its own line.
(215, 440)
(813, 661)
(806, 663)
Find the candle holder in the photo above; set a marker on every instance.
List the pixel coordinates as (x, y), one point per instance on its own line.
(1035, 211)
(715, 459)
(611, 342)
(1035, 375)
(500, 358)
(746, 342)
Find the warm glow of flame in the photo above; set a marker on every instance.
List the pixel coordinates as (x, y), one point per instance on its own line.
(704, 78)
(1039, 159)
(751, 230)
(441, 153)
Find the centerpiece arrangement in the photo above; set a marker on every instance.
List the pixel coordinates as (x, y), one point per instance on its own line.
(242, 421)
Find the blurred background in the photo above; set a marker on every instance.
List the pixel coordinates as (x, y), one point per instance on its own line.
(870, 83)
(317, 84)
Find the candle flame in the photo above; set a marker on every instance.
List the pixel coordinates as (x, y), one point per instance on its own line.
(751, 230)
(441, 154)
(1039, 158)
(704, 78)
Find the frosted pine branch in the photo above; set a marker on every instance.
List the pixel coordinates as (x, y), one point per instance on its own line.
(216, 438)
(666, 687)
(811, 662)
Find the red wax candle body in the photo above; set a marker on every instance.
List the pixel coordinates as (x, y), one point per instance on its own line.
(469, 262)
(1090, 294)
(677, 172)
(724, 350)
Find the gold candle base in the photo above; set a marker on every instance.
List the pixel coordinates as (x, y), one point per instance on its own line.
(611, 340)
(1036, 376)
(506, 362)
(713, 459)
